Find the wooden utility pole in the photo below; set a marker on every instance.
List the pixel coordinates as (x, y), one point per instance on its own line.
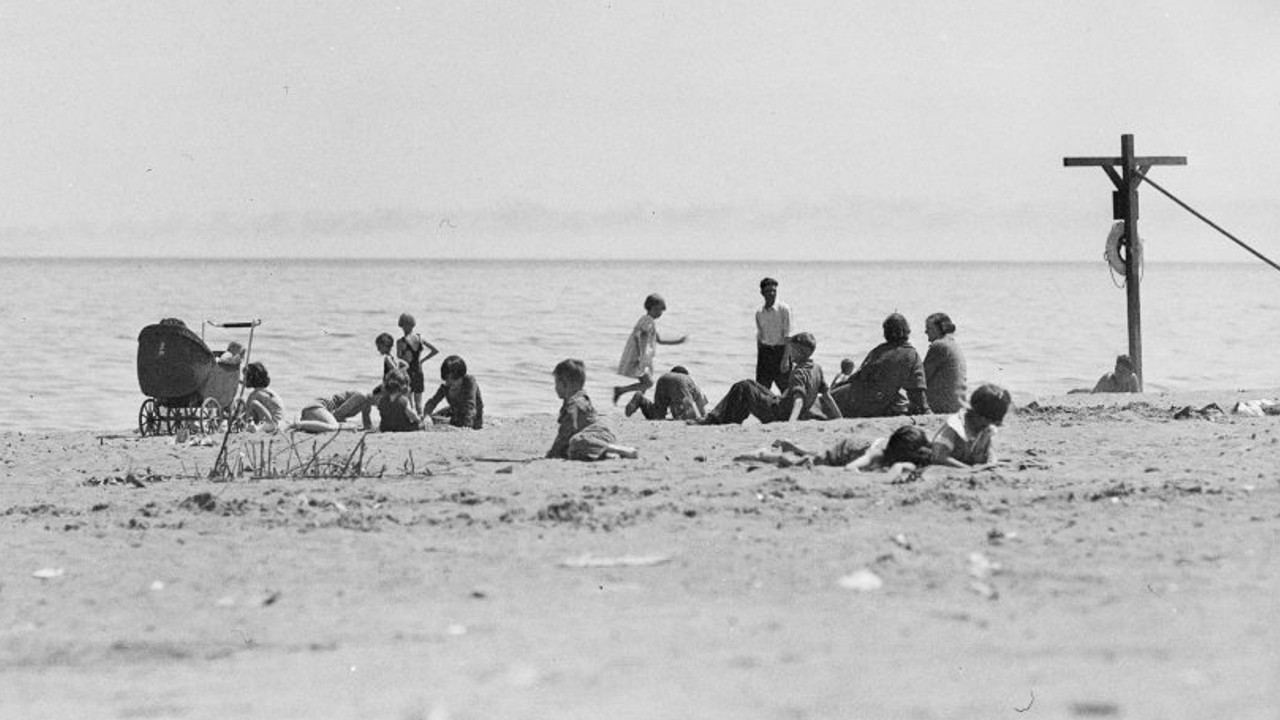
(1124, 206)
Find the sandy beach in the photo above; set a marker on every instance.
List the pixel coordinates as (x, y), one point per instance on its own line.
(1122, 563)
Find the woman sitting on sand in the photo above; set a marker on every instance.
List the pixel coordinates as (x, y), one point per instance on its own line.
(907, 448)
(263, 408)
(891, 369)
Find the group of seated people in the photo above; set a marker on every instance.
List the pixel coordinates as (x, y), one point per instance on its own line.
(459, 391)
(893, 380)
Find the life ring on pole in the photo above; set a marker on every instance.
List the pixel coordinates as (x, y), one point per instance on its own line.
(1113, 252)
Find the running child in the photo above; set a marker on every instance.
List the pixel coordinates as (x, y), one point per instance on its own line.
(642, 345)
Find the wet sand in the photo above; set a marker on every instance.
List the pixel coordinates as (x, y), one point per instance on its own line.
(1122, 564)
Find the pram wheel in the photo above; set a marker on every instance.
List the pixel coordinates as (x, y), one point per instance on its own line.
(210, 416)
(148, 418)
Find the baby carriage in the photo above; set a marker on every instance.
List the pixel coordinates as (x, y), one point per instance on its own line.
(186, 384)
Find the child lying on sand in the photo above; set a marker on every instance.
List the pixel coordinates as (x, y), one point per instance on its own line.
(906, 449)
(966, 439)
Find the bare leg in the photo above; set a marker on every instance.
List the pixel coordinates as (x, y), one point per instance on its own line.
(357, 403)
(644, 383)
(316, 420)
(621, 451)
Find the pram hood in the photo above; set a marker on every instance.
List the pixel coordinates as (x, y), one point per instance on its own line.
(173, 362)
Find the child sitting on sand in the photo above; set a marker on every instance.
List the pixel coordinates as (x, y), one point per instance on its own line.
(581, 436)
(966, 438)
(1121, 380)
(263, 407)
(907, 448)
(847, 367)
(395, 408)
(460, 390)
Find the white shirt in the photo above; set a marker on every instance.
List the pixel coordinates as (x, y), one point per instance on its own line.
(773, 325)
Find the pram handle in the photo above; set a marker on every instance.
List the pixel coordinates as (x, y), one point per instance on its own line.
(247, 324)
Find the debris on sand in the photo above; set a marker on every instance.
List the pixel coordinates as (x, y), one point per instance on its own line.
(861, 581)
(587, 560)
(1208, 412)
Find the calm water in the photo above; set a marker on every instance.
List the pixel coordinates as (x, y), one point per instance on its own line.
(69, 327)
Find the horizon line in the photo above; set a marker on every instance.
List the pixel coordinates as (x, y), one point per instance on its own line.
(550, 259)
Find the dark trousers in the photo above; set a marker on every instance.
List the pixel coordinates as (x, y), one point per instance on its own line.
(746, 397)
(769, 366)
(649, 409)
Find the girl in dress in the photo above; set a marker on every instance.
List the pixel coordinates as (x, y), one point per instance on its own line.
(642, 345)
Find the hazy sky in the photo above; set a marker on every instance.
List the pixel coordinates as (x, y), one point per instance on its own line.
(849, 130)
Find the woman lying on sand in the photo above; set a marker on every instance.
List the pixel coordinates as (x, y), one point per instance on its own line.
(906, 449)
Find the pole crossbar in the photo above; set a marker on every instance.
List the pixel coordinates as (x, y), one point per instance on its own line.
(1126, 171)
(1142, 177)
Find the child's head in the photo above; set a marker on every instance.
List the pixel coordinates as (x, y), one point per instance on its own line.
(908, 443)
(384, 342)
(680, 369)
(396, 381)
(407, 323)
(235, 348)
(990, 403)
(570, 376)
(453, 368)
(938, 325)
(256, 376)
(802, 346)
(896, 328)
(655, 305)
(847, 366)
(1124, 365)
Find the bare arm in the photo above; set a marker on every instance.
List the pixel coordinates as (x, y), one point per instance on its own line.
(432, 351)
(676, 341)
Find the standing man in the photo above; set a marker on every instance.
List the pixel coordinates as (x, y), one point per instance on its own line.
(773, 327)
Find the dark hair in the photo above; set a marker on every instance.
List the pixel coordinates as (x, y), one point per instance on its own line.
(653, 300)
(452, 368)
(896, 328)
(256, 375)
(943, 321)
(908, 443)
(805, 340)
(406, 319)
(571, 370)
(384, 339)
(680, 369)
(991, 402)
(767, 282)
(1124, 361)
(396, 381)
